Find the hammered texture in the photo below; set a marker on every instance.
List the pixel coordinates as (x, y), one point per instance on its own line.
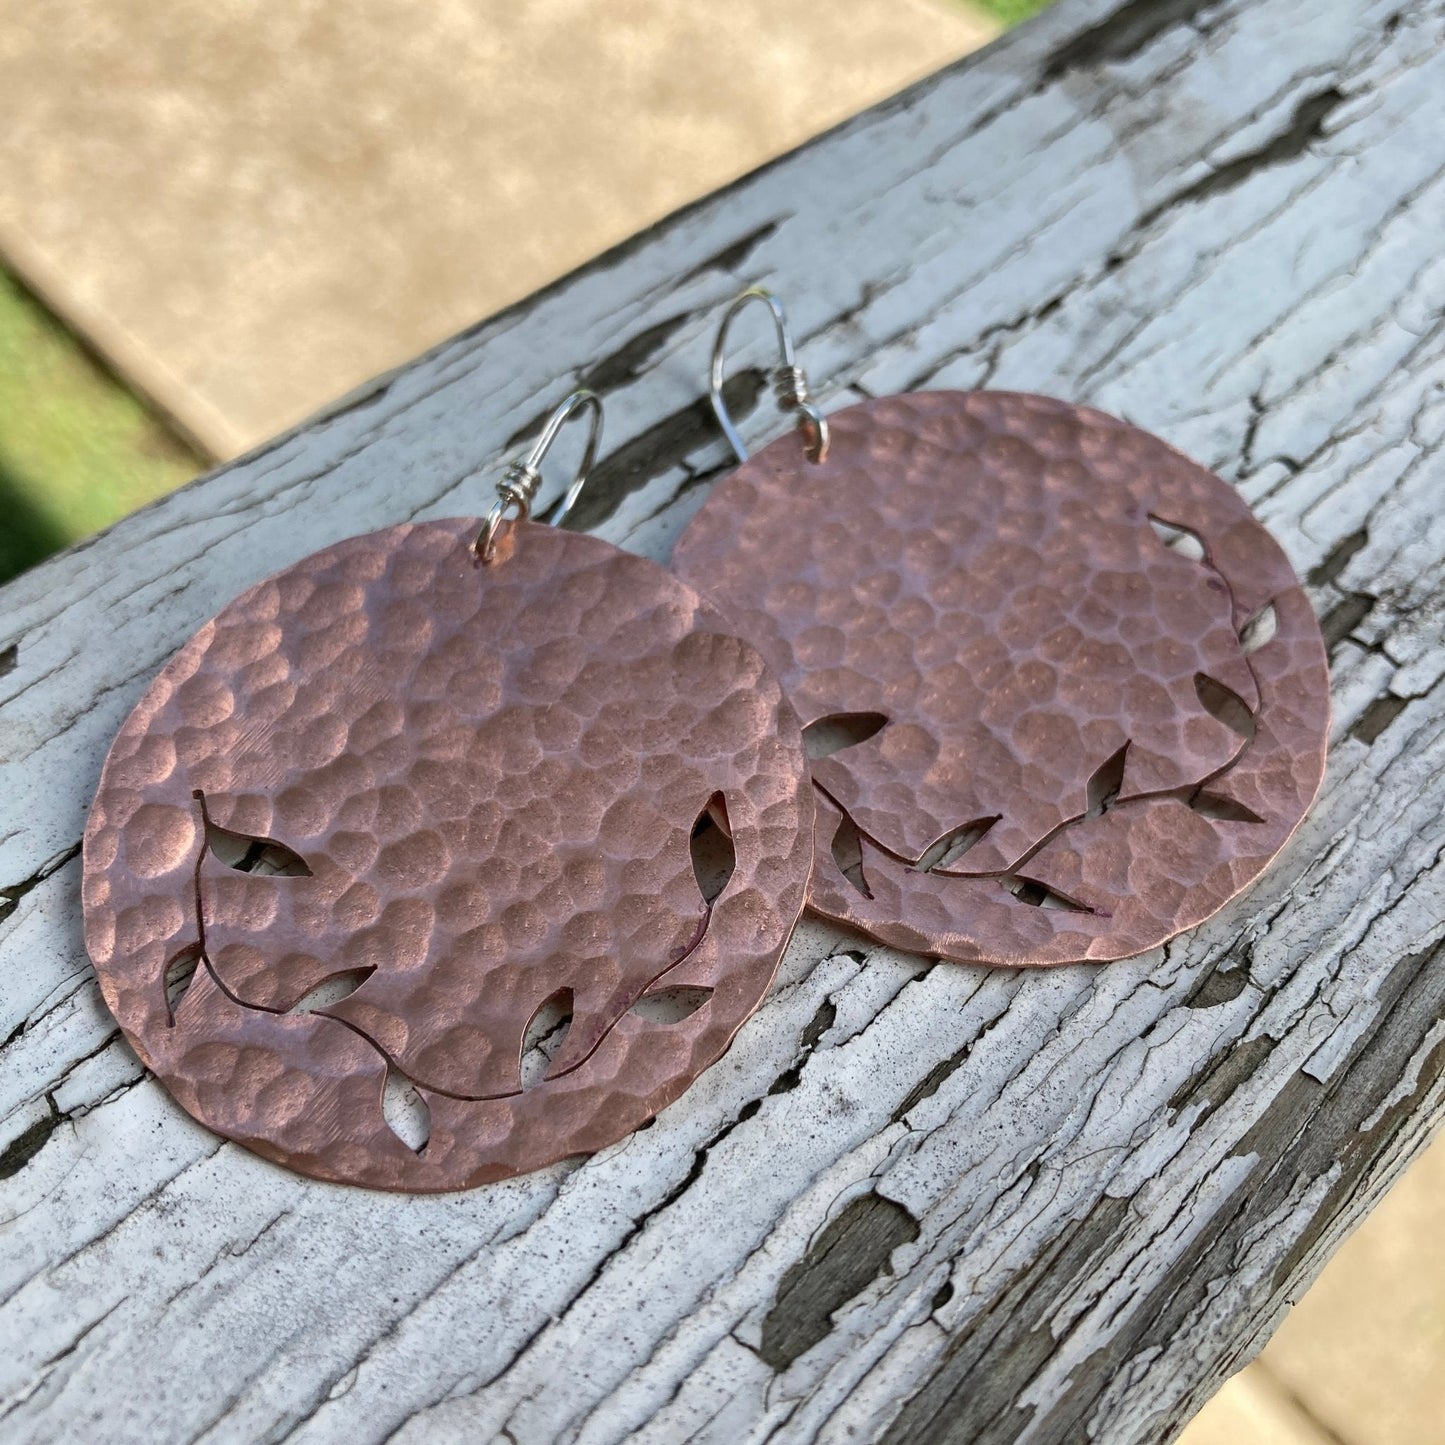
(984, 571)
(492, 775)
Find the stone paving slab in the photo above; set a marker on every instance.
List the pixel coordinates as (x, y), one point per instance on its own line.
(1365, 1347)
(1358, 1360)
(252, 209)
(1253, 1409)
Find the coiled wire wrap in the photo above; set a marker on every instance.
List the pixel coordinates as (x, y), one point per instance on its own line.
(519, 484)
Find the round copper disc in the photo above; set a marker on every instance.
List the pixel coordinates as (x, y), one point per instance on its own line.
(1028, 641)
(396, 809)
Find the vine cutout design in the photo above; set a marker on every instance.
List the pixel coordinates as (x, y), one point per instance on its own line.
(403, 1104)
(488, 785)
(1019, 589)
(837, 732)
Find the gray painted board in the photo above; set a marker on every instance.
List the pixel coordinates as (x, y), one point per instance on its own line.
(915, 1202)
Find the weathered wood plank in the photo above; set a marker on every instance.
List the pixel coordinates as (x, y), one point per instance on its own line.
(922, 1203)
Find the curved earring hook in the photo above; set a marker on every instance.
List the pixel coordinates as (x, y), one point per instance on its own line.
(790, 385)
(520, 481)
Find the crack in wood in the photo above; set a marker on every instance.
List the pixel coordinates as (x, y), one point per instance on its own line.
(1221, 984)
(1122, 34)
(630, 359)
(818, 1025)
(1288, 1152)
(1334, 562)
(1415, 995)
(973, 1395)
(732, 256)
(613, 371)
(1346, 615)
(850, 1252)
(27, 1144)
(1306, 126)
(1210, 1090)
(1381, 712)
(12, 893)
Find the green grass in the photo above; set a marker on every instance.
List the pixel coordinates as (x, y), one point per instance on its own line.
(1010, 12)
(77, 450)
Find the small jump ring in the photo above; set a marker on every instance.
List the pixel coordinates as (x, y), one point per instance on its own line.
(520, 482)
(790, 385)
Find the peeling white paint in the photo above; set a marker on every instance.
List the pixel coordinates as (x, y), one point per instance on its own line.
(1103, 1160)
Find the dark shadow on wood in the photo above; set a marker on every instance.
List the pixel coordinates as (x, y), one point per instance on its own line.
(25, 537)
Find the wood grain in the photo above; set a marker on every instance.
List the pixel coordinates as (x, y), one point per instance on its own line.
(921, 1203)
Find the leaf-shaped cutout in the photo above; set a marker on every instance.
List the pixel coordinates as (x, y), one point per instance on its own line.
(839, 730)
(670, 1005)
(332, 990)
(545, 1034)
(264, 857)
(1179, 539)
(713, 854)
(1226, 810)
(1106, 781)
(848, 855)
(180, 973)
(405, 1111)
(1224, 705)
(1040, 895)
(953, 845)
(1259, 629)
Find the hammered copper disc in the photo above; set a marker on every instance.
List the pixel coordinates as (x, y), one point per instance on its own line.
(1063, 746)
(487, 780)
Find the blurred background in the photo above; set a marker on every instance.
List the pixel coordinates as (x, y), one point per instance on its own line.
(215, 220)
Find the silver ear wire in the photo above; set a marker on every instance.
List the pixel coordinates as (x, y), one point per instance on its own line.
(790, 384)
(520, 481)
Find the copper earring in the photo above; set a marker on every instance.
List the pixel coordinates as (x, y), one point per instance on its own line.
(448, 851)
(1064, 696)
